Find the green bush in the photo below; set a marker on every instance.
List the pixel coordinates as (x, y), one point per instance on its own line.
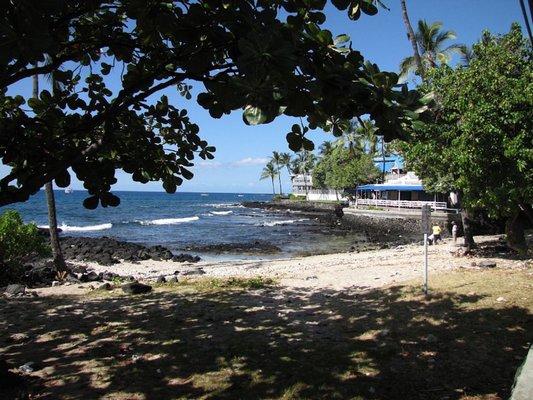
(298, 197)
(18, 241)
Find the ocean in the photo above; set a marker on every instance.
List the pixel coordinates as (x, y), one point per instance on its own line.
(182, 219)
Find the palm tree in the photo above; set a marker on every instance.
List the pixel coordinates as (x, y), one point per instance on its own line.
(59, 261)
(326, 148)
(467, 55)
(286, 162)
(360, 137)
(430, 39)
(277, 160)
(412, 38)
(303, 164)
(270, 171)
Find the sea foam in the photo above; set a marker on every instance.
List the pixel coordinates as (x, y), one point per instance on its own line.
(170, 221)
(221, 212)
(88, 228)
(285, 222)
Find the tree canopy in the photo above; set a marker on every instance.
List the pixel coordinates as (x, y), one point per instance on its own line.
(341, 168)
(479, 141)
(266, 58)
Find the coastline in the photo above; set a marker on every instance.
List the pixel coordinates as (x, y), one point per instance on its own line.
(338, 272)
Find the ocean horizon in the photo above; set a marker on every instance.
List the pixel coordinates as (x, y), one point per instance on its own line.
(185, 219)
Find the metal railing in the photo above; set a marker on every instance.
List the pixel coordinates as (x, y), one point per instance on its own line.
(436, 205)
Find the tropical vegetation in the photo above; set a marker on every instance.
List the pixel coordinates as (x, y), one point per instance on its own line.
(270, 171)
(349, 160)
(257, 57)
(478, 141)
(433, 51)
(18, 241)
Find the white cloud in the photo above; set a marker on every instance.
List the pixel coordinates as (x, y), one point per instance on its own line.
(249, 161)
(210, 164)
(245, 162)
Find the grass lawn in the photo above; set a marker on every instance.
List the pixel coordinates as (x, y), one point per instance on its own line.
(237, 340)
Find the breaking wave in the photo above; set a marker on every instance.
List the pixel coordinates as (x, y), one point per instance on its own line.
(88, 228)
(285, 222)
(170, 221)
(221, 212)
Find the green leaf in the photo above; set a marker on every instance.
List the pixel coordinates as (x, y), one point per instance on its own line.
(341, 39)
(355, 12)
(169, 186)
(368, 8)
(91, 202)
(63, 179)
(186, 173)
(254, 115)
(341, 4)
(308, 144)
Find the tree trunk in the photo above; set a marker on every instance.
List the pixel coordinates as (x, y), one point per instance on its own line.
(514, 230)
(59, 261)
(273, 188)
(279, 179)
(412, 39)
(467, 230)
(526, 18)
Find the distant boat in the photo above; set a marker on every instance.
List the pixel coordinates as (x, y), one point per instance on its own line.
(204, 194)
(240, 195)
(68, 190)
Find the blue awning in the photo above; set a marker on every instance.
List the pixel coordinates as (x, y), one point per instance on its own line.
(384, 186)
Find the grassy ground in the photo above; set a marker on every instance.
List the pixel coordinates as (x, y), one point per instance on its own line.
(243, 339)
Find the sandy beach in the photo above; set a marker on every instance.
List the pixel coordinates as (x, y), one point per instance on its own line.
(341, 271)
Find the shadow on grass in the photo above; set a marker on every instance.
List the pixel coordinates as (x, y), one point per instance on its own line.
(268, 343)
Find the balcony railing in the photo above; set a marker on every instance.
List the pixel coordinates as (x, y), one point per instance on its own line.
(436, 205)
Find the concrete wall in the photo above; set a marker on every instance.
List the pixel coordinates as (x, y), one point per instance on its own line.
(325, 195)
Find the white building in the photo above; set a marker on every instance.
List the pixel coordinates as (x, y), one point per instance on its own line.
(401, 190)
(301, 184)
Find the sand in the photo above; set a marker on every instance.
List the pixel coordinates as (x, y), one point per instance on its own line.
(341, 271)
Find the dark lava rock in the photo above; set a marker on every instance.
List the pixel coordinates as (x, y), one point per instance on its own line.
(90, 277)
(108, 251)
(136, 288)
(185, 258)
(256, 247)
(486, 264)
(161, 279)
(108, 276)
(72, 279)
(106, 286)
(15, 289)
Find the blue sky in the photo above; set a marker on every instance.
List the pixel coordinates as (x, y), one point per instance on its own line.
(242, 150)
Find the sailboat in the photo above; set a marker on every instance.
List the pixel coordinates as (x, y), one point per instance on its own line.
(68, 190)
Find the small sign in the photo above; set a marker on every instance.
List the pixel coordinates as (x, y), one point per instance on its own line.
(426, 219)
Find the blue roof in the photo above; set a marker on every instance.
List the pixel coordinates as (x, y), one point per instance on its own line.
(384, 186)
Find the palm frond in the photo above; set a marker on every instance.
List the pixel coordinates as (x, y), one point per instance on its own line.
(407, 66)
(444, 36)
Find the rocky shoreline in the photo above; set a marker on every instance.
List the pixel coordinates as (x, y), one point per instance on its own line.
(108, 251)
(369, 234)
(381, 231)
(256, 247)
(104, 251)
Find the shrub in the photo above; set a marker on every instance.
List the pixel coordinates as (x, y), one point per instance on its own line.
(18, 241)
(298, 197)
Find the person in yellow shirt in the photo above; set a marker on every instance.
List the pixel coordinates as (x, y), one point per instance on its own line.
(436, 233)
